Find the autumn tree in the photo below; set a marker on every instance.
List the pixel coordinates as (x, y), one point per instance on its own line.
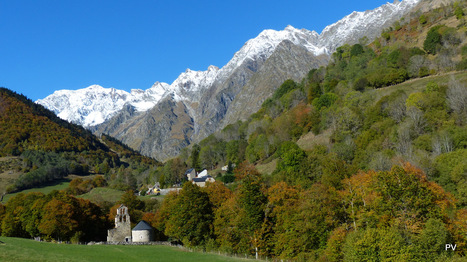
(229, 236)
(218, 193)
(58, 221)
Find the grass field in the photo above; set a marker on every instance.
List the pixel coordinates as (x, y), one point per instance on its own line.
(100, 194)
(17, 249)
(47, 189)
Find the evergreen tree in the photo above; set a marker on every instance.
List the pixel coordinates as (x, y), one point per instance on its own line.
(195, 162)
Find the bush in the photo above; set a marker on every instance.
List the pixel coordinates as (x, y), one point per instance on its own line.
(462, 65)
(360, 84)
(433, 40)
(356, 50)
(422, 19)
(325, 100)
(459, 12)
(284, 88)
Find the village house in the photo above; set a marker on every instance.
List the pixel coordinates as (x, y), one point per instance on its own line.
(190, 174)
(201, 179)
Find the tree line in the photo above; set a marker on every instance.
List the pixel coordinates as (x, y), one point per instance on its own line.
(397, 214)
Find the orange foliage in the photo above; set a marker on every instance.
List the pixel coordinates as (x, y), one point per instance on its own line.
(301, 115)
(151, 218)
(458, 229)
(402, 196)
(245, 169)
(280, 193)
(218, 193)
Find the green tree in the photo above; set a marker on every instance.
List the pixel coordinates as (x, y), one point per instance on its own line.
(325, 100)
(287, 86)
(422, 19)
(459, 12)
(195, 162)
(432, 240)
(252, 202)
(191, 216)
(356, 50)
(2, 215)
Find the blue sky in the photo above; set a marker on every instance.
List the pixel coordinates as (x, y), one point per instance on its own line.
(49, 45)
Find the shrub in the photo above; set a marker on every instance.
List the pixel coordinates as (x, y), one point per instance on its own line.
(433, 40)
(325, 100)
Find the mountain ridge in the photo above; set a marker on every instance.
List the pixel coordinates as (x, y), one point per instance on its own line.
(263, 45)
(207, 95)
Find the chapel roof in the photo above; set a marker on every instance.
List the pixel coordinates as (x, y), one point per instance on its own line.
(142, 225)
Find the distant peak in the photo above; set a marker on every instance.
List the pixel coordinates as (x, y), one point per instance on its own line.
(94, 87)
(213, 68)
(159, 84)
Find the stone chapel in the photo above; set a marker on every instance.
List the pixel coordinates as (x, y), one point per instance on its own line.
(122, 230)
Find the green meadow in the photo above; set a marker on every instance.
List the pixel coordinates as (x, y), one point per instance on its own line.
(47, 189)
(17, 249)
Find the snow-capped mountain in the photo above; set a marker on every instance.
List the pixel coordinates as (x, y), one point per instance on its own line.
(93, 105)
(198, 103)
(359, 24)
(267, 41)
(190, 84)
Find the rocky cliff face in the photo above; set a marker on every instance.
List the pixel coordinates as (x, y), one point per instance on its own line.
(162, 120)
(160, 132)
(289, 61)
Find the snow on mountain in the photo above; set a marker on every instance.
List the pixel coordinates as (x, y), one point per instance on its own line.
(189, 84)
(94, 105)
(267, 41)
(359, 24)
(144, 100)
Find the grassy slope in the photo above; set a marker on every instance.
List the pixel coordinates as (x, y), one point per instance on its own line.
(307, 141)
(47, 189)
(418, 84)
(16, 249)
(100, 194)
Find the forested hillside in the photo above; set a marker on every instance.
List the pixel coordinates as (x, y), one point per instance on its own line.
(41, 148)
(364, 159)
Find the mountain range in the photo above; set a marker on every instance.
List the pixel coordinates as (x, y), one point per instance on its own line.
(163, 119)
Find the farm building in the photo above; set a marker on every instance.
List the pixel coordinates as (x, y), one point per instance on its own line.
(201, 181)
(190, 174)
